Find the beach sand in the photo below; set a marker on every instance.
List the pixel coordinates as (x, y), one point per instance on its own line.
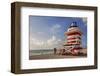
(51, 56)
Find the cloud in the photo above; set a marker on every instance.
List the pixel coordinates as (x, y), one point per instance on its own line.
(84, 20)
(55, 28)
(51, 40)
(47, 44)
(40, 33)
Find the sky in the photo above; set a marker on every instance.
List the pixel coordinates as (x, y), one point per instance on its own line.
(47, 32)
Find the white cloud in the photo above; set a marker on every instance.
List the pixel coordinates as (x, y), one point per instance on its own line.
(47, 44)
(55, 28)
(85, 20)
(40, 33)
(51, 40)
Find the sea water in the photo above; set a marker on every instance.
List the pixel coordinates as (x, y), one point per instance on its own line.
(41, 52)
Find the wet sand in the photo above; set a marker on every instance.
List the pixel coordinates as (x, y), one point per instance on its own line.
(53, 57)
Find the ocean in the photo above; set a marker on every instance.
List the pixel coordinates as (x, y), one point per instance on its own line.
(41, 52)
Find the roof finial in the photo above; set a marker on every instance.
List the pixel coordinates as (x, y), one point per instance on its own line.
(73, 24)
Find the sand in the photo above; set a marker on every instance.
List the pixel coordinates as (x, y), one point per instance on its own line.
(53, 57)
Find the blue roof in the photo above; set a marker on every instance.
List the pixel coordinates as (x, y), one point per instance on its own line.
(73, 24)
